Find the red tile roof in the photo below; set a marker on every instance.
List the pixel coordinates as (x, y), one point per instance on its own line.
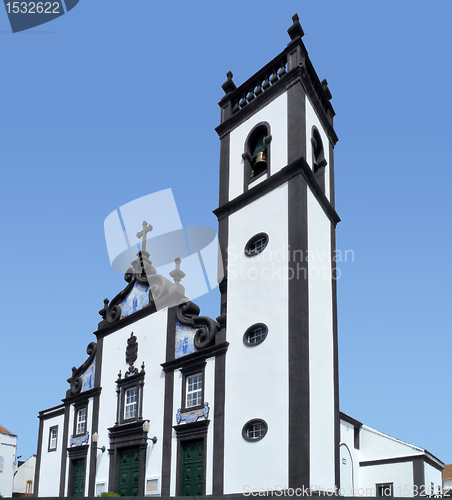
(4, 430)
(447, 472)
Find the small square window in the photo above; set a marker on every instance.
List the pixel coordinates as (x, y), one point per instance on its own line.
(53, 438)
(81, 421)
(194, 390)
(130, 403)
(29, 487)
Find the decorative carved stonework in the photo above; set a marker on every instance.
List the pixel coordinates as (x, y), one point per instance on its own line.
(131, 355)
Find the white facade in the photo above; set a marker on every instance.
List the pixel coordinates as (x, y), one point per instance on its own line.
(371, 460)
(24, 477)
(249, 402)
(8, 445)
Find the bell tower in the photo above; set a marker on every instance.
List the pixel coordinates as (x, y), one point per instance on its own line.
(277, 220)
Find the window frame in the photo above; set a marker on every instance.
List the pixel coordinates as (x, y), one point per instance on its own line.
(187, 372)
(248, 177)
(27, 484)
(251, 422)
(250, 330)
(122, 386)
(53, 428)
(134, 404)
(253, 240)
(77, 407)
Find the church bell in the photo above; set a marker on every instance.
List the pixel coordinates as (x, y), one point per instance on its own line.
(260, 164)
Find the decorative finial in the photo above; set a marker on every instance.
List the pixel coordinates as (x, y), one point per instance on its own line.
(326, 89)
(229, 86)
(147, 228)
(295, 30)
(177, 274)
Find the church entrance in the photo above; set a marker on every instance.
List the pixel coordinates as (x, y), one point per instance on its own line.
(192, 468)
(129, 468)
(78, 482)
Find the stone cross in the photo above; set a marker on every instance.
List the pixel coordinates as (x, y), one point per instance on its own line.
(147, 228)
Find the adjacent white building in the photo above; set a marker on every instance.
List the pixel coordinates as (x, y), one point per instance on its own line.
(375, 464)
(172, 403)
(24, 477)
(8, 446)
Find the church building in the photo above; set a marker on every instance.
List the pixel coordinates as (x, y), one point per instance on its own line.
(173, 403)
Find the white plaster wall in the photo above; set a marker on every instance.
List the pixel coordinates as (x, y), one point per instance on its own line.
(311, 120)
(321, 359)
(49, 476)
(400, 474)
(26, 472)
(376, 446)
(257, 377)
(8, 446)
(434, 476)
(348, 438)
(209, 396)
(275, 113)
(151, 337)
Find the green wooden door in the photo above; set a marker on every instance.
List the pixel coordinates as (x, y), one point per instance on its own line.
(129, 471)
(78, 482)
(192, 468)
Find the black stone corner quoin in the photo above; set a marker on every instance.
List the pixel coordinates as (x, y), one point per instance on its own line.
(76, 381)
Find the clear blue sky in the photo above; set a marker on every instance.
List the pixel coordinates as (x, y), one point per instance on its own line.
(118, 99)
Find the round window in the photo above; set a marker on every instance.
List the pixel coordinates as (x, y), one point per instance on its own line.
(255, 429)
(255, 334)
(256, 244)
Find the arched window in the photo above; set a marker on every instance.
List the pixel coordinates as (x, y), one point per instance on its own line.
(318, 157)
(257, 153)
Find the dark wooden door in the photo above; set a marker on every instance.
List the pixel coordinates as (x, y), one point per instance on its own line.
(192, 468)
(129, 471)
(78, 482)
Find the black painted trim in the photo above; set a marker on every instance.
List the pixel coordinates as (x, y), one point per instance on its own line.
(332, 181)
(76, 453)
(38, 458)
(350, 420)
(252, 241)
(249, 424)
(418, 472)
(298, 355)
(168, 404)
(296, 122)
(194, 357)
(126, 436)
(49, 449)
(95, 419)
(128, 320)
(199, 367)
(56, 411)
(298, 166)
(191, 432)
(79, 406)
(82, 396)
(64, 442)
(395, 460)
(218, 427)
(123, 385)
(250, 330)
(300, 73)
(337, 418)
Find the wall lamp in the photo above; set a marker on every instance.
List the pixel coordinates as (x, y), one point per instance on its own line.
(146, 427)
(95, 439)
